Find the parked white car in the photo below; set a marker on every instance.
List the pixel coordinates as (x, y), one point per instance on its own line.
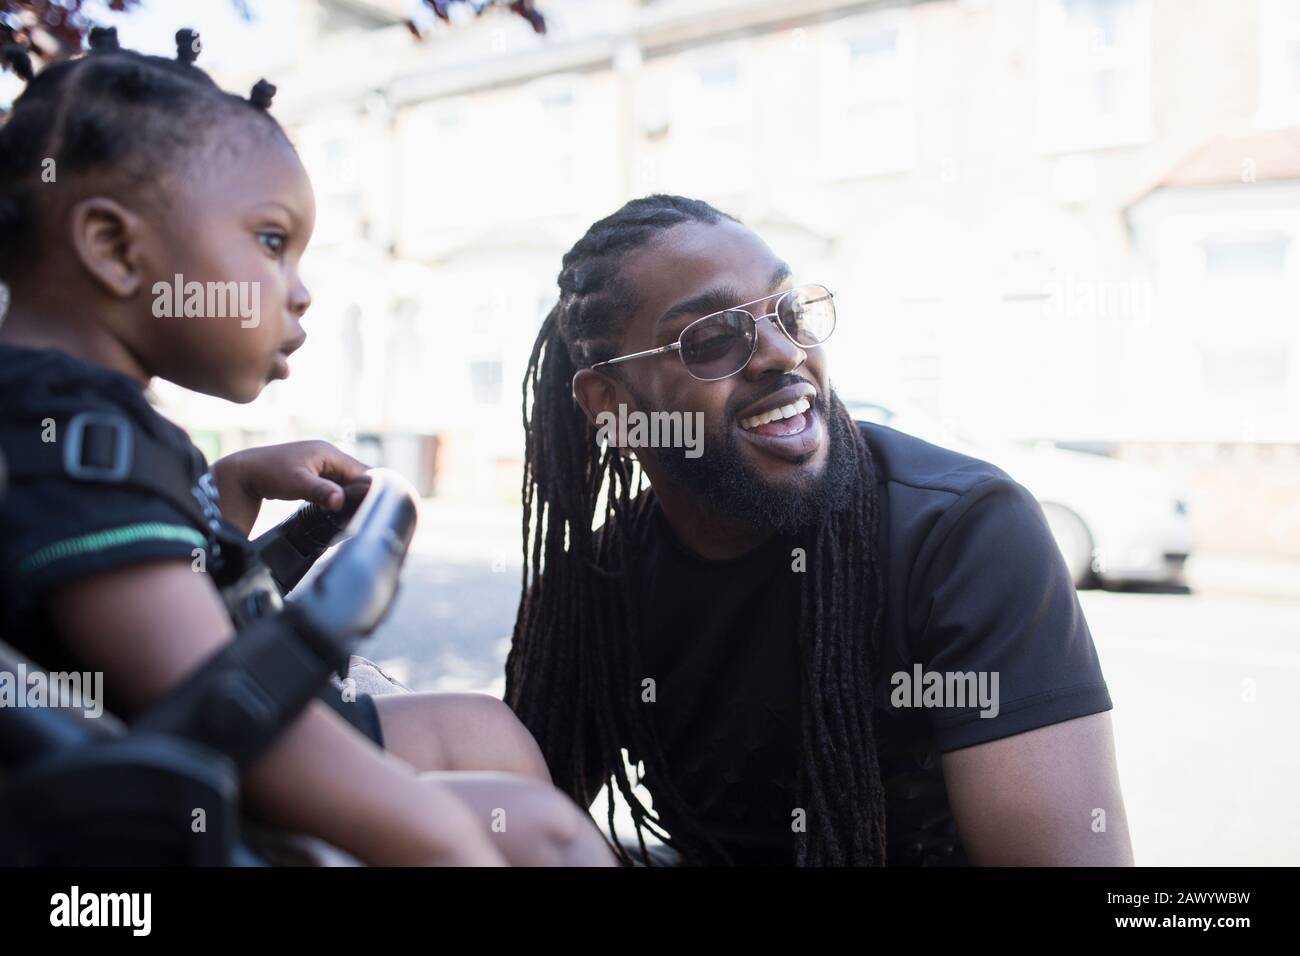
(1115, 522)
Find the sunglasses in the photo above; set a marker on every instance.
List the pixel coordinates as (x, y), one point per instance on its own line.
(718, 346)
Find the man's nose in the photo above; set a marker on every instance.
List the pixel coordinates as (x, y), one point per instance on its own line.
(775, 351)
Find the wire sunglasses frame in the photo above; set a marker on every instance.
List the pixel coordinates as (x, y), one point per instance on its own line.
(753, 344)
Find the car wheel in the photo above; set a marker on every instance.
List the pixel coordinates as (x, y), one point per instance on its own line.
(1074, 540)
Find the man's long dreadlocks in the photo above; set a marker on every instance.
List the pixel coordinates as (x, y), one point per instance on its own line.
(572, 672)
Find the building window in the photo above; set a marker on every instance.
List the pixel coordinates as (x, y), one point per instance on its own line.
(1262, 256)
(717, 77)
(1279, 63)
(558, 136)
(1256, 372)
(710, 150)
(336, 160)
(868, 115)
(485, 381)
(1244, 328)
(1094, 74)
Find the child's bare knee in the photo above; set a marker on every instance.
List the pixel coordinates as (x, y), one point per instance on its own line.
(557, 833)
(459, 732)
(508, 744)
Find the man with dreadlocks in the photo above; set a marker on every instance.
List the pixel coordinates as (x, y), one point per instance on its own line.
(742, 628)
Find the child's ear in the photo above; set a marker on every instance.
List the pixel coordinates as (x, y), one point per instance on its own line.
(595, 393)
(107, 238)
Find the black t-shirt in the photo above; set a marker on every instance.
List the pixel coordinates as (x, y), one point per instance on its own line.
(974, 583)
(54, 530)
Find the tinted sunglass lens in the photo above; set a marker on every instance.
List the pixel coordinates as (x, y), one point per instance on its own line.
(719, 346)
(808, 314)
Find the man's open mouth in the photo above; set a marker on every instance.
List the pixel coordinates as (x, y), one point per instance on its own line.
(785, 423)
(786, 419)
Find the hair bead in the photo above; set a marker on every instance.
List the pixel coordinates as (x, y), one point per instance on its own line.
(103, 39)
(262, 94)
(188, 45)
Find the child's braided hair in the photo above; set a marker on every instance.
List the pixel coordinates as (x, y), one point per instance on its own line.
(115, 113)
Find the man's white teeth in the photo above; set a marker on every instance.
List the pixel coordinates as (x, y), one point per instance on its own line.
(785, 411)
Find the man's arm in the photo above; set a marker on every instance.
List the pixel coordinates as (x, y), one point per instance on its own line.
(1038, 798)
(1029, 785)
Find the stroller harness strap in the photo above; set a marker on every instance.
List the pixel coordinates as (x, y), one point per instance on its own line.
(103, 447)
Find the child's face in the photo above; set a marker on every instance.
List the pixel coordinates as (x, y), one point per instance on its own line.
(237, 222)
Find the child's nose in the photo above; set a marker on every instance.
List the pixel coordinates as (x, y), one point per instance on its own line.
(299, 300)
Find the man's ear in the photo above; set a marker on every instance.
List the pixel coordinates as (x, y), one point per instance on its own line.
(596, 393)
(107, 238)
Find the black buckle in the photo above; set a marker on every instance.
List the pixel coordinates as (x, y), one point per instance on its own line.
(74, 445)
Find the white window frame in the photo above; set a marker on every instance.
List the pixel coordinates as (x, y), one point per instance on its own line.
(1057, 132)
(1279, 35)
(842, 100)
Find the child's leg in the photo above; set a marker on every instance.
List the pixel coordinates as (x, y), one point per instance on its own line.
(458, 732)
(530, 823)
(476, 748)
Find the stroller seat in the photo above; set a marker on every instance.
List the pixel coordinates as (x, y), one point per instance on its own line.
(163, 789)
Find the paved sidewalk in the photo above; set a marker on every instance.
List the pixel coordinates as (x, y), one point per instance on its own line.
(1268, 578)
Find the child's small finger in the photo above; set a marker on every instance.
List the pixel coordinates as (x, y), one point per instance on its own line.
(343, 465)
(328, 495)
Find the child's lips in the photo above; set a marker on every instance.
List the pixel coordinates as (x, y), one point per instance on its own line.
(280, 367)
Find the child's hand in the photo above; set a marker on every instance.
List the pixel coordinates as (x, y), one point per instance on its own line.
(312, 471)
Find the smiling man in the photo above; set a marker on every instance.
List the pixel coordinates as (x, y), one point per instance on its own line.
(740, 627)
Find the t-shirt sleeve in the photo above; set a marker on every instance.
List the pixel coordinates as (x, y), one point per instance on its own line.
(55, 531)
(996, 600)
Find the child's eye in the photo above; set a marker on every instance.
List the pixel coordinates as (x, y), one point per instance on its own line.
(273, 242)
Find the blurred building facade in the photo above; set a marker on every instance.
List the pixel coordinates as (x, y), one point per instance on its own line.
(1076, 220)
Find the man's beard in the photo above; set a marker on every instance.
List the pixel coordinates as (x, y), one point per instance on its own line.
(721, 478)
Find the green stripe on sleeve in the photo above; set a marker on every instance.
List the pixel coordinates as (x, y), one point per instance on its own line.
(112, 538)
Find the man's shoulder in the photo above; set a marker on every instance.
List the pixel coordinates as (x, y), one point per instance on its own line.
(925, 489)
(913, 463)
